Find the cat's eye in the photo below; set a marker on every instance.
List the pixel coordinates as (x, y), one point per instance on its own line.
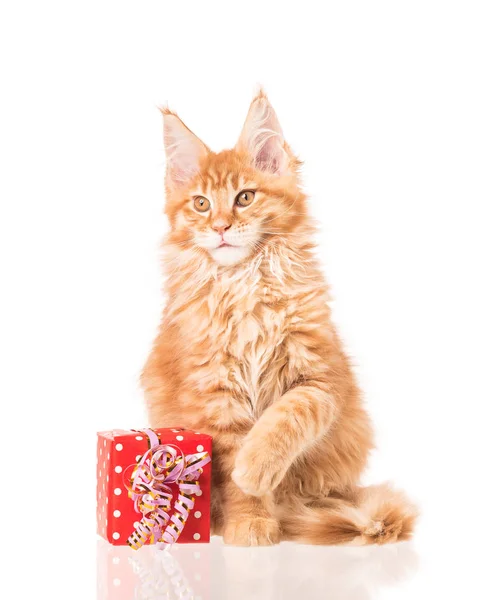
(245, 198)
(201, 204)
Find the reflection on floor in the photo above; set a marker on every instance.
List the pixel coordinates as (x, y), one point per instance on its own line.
(217, 572)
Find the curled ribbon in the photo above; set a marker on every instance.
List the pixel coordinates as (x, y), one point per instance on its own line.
(160, 467)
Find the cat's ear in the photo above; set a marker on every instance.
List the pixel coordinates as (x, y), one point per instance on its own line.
(262, 137)
(183, 150)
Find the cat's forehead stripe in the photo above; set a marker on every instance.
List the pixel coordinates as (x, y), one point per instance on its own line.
(221, 173)
(215, 183)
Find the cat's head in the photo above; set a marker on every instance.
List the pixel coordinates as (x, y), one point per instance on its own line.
(229, 204)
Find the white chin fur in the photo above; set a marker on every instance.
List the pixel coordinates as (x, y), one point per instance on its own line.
(229, 255)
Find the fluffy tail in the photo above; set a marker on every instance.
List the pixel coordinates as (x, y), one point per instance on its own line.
(372, 515)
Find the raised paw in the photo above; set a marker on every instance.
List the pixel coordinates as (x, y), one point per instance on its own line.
(252, 531)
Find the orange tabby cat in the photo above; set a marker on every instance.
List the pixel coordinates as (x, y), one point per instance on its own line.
(247, 351)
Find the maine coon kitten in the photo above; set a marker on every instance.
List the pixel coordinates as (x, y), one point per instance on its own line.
(247, 352)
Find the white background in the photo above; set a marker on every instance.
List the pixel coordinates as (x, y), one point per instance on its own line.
(392, 107)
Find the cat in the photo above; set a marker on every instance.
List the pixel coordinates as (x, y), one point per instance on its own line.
(247, 351)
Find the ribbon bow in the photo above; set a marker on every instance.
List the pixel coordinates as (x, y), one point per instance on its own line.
(161, 466)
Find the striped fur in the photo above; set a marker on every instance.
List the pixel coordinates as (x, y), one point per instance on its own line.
(247, 351)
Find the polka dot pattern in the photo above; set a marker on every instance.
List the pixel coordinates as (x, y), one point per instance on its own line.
(117, 452)
(103, 447)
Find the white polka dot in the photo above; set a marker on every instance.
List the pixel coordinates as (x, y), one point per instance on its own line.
(104, 463)
(197, 433)
(116, 560)
(138, 457)
(100, 451)
(197, 576)
(199, 448)
(179, 438)
(199, 493)
(107, 478)
(197, 555)
(139, 438)
(117, 513)
(136, 524)
(116, 535)
(99, 473)
(117, 491)
(118, 469)
(117, 582)
(106, 522)
(196, 536)
(197, 514)
(119, 447)
(108, 456)
(104, 443)
(106, 500)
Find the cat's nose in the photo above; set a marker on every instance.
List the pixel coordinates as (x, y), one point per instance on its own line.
(220, 226)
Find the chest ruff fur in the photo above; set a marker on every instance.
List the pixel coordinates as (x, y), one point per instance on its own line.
(240, 332)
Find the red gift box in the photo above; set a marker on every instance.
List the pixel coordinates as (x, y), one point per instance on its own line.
(118, 451)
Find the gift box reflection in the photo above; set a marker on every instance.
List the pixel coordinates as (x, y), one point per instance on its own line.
(153, 574)
(217, 572)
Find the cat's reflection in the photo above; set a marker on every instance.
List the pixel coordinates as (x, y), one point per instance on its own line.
(218, 572)
(292, 571)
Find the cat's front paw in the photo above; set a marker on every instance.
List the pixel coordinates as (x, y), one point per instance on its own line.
(255, 473)
(252, 531)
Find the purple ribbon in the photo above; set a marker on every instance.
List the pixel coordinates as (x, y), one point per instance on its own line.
(160, 467)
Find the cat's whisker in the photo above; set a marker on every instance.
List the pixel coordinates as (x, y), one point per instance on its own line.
(281, 232)
(283, 212)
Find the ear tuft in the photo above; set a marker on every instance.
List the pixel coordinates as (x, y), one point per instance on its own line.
(260, 94)
(165, 110)
(262, 137)
(183, 149)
